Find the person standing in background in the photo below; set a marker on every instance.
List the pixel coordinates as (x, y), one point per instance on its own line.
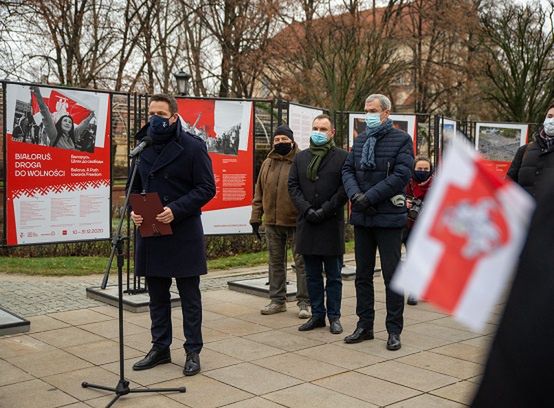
(272, 206)
(315, 187)
(375, 175)
(419, 185)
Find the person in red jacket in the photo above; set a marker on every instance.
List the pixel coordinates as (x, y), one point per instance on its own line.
(420, 182)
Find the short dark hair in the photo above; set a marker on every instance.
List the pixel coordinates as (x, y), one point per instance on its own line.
(550, 107)
(170, 100)
(325, 116)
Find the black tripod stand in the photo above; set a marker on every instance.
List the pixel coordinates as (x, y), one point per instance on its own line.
(122, 387)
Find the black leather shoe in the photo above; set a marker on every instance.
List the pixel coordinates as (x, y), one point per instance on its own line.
(335, 327)
(152, 359)
(393, 343)
(360, 334)
(412, 301)
(192, 364)
(312, 324)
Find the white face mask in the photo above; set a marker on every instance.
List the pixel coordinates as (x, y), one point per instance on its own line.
(549, 127)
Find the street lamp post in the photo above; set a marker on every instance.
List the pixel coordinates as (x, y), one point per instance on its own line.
(182, 78)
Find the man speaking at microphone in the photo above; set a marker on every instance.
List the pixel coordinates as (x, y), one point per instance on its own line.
(175, 165)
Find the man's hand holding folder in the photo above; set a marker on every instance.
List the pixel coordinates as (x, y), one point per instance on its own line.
(149, 215)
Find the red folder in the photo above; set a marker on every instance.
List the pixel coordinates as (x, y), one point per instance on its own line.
(148, 205)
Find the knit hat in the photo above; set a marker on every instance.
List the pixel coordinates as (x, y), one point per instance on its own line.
(284, 130)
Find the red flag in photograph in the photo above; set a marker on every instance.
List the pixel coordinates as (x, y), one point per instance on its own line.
(60, 105)
(467, 240)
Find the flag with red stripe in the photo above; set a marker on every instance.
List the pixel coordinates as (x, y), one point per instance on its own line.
(463, 250)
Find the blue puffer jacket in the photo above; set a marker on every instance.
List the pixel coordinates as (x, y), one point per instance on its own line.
(394, 156)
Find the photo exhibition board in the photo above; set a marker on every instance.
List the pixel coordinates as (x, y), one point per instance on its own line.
(356, 125)
(57, 165)
(447, 131)
(227, 128)
(498, 143)
(300, 121)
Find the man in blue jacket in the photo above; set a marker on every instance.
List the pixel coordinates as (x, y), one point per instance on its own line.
(375, 175)
(177, 167)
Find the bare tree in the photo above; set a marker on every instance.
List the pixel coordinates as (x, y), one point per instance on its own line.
(518, 43)
(79, 34)
(241, 30)
(196, 42)
(437, 32)
(135, 15)
(337, 58)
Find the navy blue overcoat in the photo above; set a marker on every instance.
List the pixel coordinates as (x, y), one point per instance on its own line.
(183, 177)
(394, 157)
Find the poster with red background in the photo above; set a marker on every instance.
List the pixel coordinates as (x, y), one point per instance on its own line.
(57, 165)
(227, 128)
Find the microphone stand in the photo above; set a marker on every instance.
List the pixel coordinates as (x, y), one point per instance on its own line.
(135, 153)
(122, 387)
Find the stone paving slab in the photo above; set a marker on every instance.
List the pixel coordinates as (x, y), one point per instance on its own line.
(34, 296)
(248, 360)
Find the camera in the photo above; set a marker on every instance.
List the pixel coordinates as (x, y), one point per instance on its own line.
(415, 207)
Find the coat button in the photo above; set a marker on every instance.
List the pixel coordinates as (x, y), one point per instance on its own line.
(166, 176)
(316, 195)
(538, 172)
(166, 198)
(151, 175)
(317, 177)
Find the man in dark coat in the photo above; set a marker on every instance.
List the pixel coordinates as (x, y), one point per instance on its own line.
(178, 168)
(519, 368)
(375, 175)
(315, 188)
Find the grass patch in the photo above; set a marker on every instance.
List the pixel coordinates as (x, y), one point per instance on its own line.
(90, 265)
(56, 266)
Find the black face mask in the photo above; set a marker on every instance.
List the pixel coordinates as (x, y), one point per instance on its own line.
(421, 175)
(160, 130)
(283, 148)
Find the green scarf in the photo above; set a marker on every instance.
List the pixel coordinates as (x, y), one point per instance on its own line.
(318, 153)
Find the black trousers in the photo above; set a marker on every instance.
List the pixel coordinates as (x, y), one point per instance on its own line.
(160, 311)
(389, 242)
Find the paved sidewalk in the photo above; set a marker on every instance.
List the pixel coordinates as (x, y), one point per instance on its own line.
(249, 360)
(32, 296)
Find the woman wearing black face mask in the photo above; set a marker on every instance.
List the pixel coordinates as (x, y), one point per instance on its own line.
(416, 191)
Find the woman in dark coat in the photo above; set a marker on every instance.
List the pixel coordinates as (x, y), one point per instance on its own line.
(315, 188)
(417, 189)
(533, 164)
(178, 168)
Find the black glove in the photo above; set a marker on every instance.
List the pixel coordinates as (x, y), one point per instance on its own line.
(360, 202)
(256, 229)
(315, 216)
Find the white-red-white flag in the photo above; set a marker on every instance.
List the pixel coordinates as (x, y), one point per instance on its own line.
(467, 240)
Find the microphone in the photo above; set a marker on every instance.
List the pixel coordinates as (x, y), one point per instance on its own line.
(146, 141)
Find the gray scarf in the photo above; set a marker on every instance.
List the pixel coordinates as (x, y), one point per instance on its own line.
(368, 150)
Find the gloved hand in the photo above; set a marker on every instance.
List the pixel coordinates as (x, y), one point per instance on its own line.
(256, 229)
(315, 216)
(360, 202)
